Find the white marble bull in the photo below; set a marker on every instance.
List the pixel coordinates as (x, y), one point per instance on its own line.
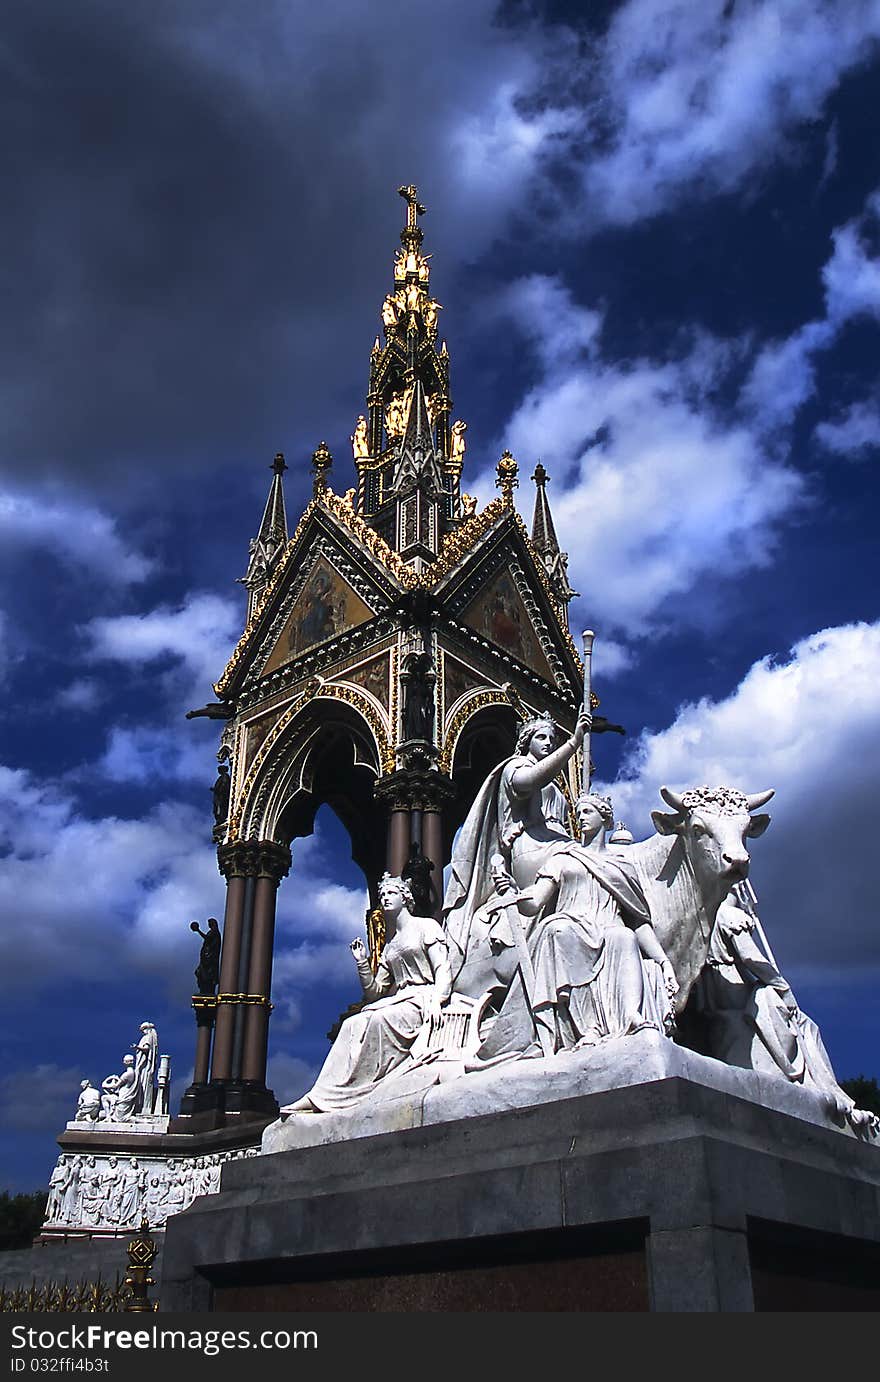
(689, 867)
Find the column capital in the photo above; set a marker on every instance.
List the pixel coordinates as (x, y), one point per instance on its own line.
(414, 789)
(254, 859)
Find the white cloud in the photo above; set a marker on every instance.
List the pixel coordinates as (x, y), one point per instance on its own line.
(148, 755)
(696, 98)
(852, 275)
(104, 895)
(655, 494)
(855, 432)
(189, 645)
(83, 695)
(809, 726)
(782, 377)
(73, 531)
(314, 934)
(289, 1076)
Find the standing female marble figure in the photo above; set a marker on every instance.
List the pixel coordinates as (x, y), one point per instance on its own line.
(411, 984)
(146, 1056)
(519, 812)
(133, 1180)
(71, 1203)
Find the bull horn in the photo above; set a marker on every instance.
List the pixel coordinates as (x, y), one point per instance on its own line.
(672, 799)
(759, 799)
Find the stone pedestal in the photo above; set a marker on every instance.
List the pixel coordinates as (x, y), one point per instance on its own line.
(638, 1177)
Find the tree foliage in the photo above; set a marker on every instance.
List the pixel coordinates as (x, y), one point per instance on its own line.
(865, 1091)
(21, 1218)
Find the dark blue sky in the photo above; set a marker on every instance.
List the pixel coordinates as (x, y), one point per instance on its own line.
(655, 237)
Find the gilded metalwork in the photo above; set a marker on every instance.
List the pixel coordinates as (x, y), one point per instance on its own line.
(204, 1001)
(395, 695)
(239, 649)
(461, 541)
(141, 1256)
(64, 1297)
(507, 477)
(375, 936)
(316, 688)
(375, 545)
(254, 999)
(353, 696)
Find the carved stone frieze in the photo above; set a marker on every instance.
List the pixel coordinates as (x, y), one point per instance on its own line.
(107, 1192)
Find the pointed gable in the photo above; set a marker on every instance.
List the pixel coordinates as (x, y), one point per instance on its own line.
(499, 614)
(325, 606)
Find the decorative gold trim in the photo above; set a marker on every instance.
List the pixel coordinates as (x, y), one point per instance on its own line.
(263, 752)
(363, 702)
(456, 546)
(478, 700)
(458, 543)
(254, 999)
(393, 707)
(315, 689)
(375, 545)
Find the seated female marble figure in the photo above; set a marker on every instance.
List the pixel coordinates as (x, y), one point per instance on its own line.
(599, 969)
(412, 983)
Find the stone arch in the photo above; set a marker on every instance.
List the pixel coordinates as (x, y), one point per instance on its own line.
(328, 750)
(482, 734)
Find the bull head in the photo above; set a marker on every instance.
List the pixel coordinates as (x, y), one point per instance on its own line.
(673, 823)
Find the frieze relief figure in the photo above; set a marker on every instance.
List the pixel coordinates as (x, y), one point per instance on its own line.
(100, 1193)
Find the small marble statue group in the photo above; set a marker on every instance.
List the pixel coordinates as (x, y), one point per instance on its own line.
(132, 1093)
(107, 1193)
(552, 943)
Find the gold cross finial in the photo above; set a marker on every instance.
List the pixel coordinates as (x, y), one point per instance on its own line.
(413, 206)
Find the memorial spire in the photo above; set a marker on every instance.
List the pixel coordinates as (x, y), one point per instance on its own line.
(271, 539)
(406, 444)
(546, 542)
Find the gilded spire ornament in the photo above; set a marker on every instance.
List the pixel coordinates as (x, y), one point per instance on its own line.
(321, 463)
(507, 473)
(411, 235)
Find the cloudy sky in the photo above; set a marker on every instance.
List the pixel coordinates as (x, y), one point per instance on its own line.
(656, 235)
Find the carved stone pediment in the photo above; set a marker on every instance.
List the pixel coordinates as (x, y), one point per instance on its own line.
(329, 582)
(499, 591)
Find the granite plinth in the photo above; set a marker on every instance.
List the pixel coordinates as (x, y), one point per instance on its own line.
(676, 1191)
(424, 1096)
